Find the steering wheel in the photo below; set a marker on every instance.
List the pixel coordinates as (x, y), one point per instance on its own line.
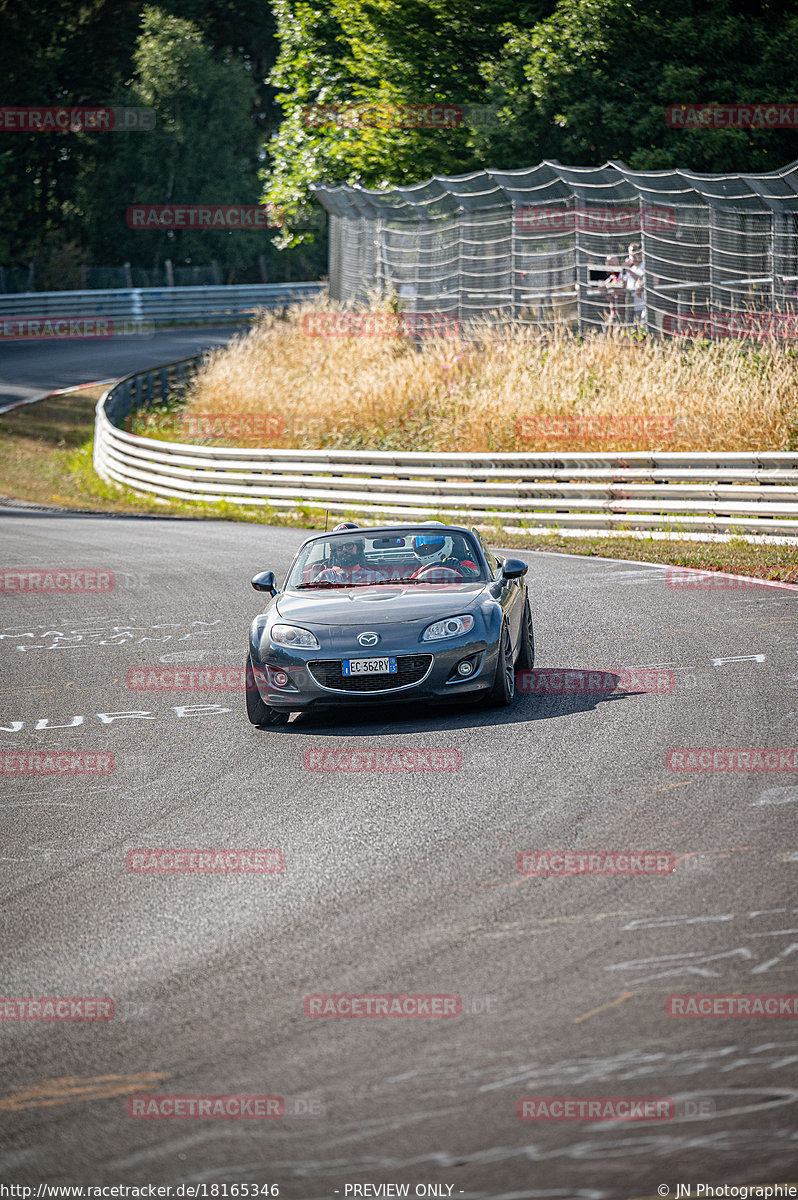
(452, 574)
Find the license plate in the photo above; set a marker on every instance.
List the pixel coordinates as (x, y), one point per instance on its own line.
(369, 666)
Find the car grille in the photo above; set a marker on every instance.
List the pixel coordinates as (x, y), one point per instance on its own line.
(410, 668)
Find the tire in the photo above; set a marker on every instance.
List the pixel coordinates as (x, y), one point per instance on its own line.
(526, 648)
(260, 713)
(503, 690)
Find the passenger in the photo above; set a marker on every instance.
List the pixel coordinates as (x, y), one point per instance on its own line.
(435, 552)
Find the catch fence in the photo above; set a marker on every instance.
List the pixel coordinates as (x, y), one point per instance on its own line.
(548, 245)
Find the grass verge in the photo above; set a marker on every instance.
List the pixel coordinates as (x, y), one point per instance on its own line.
(508, 388)
(46, 458)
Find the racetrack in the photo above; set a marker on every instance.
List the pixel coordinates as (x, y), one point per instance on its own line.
(401, 882)
(31, 369)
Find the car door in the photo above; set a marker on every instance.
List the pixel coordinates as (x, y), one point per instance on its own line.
(512, 593)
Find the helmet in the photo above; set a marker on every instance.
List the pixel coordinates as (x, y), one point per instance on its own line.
(345, 525)
(432, 547)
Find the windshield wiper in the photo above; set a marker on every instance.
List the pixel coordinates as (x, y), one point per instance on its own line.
(302, 587)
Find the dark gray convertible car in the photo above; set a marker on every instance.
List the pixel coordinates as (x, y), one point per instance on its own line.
(404, 612)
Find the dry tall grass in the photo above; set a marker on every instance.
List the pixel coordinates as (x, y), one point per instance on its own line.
(511, 390)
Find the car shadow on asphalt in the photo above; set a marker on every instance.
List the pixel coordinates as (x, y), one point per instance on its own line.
(434, 715)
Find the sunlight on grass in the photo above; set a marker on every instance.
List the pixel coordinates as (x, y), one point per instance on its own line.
(510, 390)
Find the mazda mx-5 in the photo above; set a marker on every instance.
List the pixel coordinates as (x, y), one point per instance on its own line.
(403, 612)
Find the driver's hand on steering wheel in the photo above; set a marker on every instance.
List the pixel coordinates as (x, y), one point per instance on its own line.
(448, 564)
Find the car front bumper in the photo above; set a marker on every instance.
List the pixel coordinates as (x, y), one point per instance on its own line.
(315, 677)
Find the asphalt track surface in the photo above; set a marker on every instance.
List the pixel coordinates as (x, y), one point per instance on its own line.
(393, 883)
(33, 368)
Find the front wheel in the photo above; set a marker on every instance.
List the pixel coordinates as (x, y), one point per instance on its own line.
(260, 713)
(526, 647)
(503, 690)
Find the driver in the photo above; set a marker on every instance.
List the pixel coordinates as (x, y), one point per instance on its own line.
(347, 565)
(434, 550)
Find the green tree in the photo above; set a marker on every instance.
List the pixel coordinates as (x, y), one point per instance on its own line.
(389, 57)
(592, 82)
(56, 54)
(203, 149)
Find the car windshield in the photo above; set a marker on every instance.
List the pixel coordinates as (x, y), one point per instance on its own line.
(413, 556)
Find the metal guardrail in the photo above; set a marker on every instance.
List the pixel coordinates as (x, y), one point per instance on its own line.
(160, 306)
(699, 493)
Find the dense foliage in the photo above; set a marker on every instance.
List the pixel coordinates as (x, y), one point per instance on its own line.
(239, 85)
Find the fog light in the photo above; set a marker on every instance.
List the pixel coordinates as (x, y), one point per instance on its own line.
(279, 678)
(465, 667)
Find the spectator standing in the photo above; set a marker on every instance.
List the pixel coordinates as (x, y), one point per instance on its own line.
(634, 279)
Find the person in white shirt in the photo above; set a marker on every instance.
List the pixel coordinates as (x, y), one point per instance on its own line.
(634, 278)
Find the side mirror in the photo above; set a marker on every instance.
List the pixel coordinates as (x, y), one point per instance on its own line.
(264, 582)
(514, 568)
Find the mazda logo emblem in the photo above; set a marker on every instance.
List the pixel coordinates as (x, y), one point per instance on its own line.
(369, 639)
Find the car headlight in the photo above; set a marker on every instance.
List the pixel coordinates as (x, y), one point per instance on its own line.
(292, 635)
(451, 627)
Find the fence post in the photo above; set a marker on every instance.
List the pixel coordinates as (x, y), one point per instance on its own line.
(714, 291)
(515, 303)
(580, 266)
(137, 310)
(460, 287)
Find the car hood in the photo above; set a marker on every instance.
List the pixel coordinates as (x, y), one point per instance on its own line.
(383, 605)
